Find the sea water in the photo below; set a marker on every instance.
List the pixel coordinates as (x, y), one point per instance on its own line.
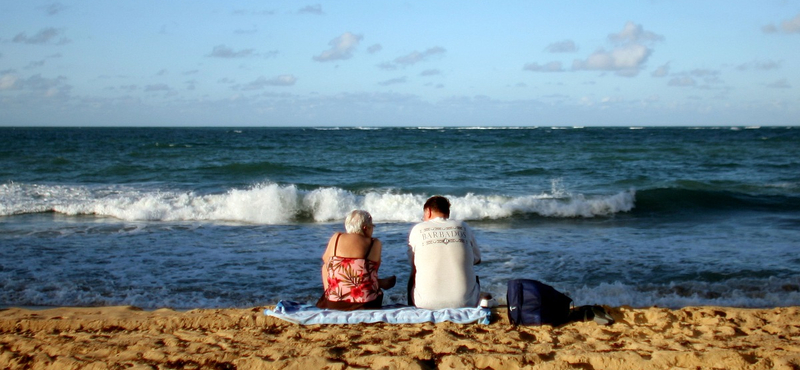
(239, 217)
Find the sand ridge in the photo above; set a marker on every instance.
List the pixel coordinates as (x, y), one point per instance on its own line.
(647, 338)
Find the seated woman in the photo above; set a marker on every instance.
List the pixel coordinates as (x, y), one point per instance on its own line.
(350, 267)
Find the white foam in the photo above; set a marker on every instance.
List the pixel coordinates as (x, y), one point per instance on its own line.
(328, 204)
(270, 203)
(394, 207)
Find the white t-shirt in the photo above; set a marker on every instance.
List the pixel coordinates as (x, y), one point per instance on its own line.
(444, 252)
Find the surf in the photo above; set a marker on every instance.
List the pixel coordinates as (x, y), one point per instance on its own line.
(272, 203)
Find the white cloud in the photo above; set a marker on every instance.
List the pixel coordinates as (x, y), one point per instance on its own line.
(682, 81)
(223, 51)
(253, 12)
(704, 72)
(9, 82)
(770, 28)
(416, 57)
(37, 82)
(389, 66)
(37, 85)
(626, 60)
(430, 72)
(55, 8)
(661, 71)
(791, 25)
(634, 33)
(44, 36)
(262, 82)
(566, 46)
(549, 67)
(35, 64)
(157, 87)
(780, 84)
(374, 48)
(611, 100)
(699, 78)
(393, 81)
(787, 26)
(315, 9)
(762, 66)
(412, 58)
(342, 47)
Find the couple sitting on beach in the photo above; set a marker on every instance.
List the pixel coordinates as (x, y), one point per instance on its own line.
(441, 251)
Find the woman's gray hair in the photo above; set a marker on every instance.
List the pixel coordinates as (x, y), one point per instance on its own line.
(356, 220)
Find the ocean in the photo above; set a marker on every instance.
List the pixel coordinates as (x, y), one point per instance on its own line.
(239, 217)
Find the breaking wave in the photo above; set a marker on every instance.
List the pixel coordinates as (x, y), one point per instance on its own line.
(271, 203)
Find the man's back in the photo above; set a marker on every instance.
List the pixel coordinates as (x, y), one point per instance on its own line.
(443, 253)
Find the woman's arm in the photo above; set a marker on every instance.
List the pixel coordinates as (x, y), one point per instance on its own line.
(326, 256)
(375, 253)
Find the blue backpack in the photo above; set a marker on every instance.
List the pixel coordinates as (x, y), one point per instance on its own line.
(531, 302)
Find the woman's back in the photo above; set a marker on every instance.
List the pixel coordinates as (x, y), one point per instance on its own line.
(352, 278)
(357, 246)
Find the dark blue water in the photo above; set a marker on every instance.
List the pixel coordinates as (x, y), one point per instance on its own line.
(223, 217)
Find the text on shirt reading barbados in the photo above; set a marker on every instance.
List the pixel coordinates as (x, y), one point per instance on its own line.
(453, 234)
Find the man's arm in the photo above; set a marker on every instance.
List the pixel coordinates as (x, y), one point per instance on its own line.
(412, 277)
(476, 252)
(411, 281)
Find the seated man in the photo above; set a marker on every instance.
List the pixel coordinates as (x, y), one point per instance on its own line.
(442, 253)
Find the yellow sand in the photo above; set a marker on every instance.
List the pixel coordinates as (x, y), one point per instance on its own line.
(652, 338)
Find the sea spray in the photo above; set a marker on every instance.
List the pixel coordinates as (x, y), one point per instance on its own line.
(270, 203)
(329, 204)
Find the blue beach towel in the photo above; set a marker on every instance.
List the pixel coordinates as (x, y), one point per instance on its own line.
(305, 314)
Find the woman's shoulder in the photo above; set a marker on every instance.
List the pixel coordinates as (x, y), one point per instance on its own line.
(335, 237)
(354, 239)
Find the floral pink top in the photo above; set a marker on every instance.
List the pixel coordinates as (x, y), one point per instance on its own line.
(352, 279)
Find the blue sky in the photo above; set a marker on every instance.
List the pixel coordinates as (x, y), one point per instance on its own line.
(387, 63)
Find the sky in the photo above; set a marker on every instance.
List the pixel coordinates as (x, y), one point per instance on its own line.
(400, 63)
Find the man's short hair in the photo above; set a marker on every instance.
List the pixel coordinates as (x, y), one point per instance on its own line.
(439, 204)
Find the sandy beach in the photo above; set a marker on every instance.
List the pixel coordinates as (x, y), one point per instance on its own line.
(650, 338)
